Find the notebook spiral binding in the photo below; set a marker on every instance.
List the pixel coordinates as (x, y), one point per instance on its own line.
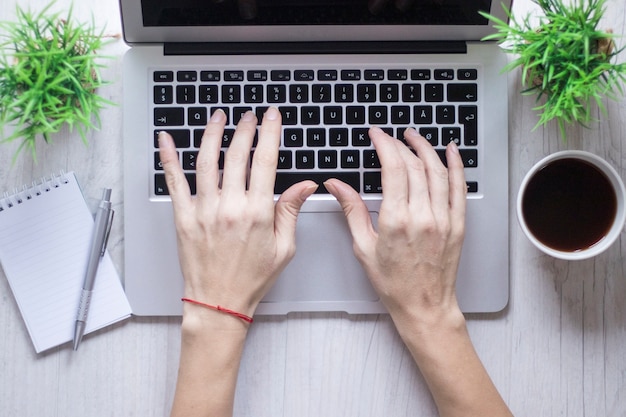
(37, 188)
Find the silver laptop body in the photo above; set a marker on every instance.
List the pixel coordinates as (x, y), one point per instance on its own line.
(431, 45)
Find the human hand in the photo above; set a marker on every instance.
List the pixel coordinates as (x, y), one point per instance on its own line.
(413, 257)
(233, 242)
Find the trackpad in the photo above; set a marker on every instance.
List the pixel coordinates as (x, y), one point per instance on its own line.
(324, 267)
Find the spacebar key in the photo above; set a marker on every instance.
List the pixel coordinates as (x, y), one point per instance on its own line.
(285, 180)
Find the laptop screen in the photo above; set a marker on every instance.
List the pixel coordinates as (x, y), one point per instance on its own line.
(312, 12)
(207, 21)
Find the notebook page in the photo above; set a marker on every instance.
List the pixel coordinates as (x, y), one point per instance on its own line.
(44, 248)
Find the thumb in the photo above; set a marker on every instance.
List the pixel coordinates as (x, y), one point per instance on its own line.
(357, 214)
(288, 207)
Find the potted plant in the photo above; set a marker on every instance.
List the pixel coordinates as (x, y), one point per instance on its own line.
(49, 77)
(565, 59)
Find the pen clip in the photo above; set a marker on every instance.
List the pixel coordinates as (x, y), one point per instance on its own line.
(107, 233)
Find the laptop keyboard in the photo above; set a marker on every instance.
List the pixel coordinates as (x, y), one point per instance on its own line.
(326, 114)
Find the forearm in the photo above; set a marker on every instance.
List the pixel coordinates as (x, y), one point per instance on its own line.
(211, 348)
(453, 371)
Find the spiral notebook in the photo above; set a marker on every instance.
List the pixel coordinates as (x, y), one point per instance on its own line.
(45, 234)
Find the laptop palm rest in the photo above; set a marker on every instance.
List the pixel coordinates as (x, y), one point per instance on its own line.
(323, 243)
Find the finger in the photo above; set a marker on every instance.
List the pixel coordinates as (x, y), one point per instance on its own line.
(458, 188)
(286, 213)
(356, 212)
(436, 172)
(265, 160)
(207, 164)
(177, 184)
(236, 159)
(393, 170)
(419, 194)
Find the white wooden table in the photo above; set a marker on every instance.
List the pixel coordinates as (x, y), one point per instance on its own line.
(558, 349)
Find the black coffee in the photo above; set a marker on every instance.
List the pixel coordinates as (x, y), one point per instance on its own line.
(569, 205)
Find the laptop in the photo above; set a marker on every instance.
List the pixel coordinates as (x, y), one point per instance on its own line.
(333, 68)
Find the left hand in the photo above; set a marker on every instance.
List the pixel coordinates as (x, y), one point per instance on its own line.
(233, 242)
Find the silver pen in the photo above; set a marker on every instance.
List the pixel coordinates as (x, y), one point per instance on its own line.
(102, 228)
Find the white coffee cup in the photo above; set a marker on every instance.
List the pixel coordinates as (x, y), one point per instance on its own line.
(567, 222)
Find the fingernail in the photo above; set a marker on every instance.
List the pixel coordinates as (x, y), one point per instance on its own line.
(411, 132)
(272, 113)
(161, 138)
(306, 193)
(248, 116)
(452, 146)
(218, 116)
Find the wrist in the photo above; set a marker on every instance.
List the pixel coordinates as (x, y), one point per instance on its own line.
(199, 320)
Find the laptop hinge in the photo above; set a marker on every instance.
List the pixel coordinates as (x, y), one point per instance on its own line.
(344, 47)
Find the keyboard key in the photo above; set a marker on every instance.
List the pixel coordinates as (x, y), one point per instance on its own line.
(208, 94)
(299, 93)
(372, 182)
(451, 134)
(374, 75)
(280, 75)
(310, 115)
(185, 94)
(257, 75)
(420, 74)
(316, 137)
(285, 180)
(196, 116)
(293, 138)
(444, 74)
(468, 156)
(233, 76)
(423, 115)
(445, 114)
(210, 76)
(231, 94)
(431, 134)
(350, 75)
(189, 160)
(333, 115)
(284, 160)
(305, 159)
(276, 93)
(472, 186)
(327, 159)
(400, 115)
(186, 76)
(321, 93)
(360, 137)
(355, 115)
(327, 75)
(389, 93)
(462, 92)
(411, 93)
(163, 94)
(338, 136)
(378, 115)
(350, 159)
(169, 116)
(397, 75)
(467, 74)
(433, 92)
(253, 93)
(366, 93)
(344, 93)
(370, 159)
(468, 118)
(304, 75)
(160, 186)
(181, 137)
(289, 114)
(163, 76)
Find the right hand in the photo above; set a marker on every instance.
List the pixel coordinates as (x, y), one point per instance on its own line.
(413, 257)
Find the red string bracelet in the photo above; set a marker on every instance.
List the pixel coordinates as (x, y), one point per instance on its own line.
(243, 317)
